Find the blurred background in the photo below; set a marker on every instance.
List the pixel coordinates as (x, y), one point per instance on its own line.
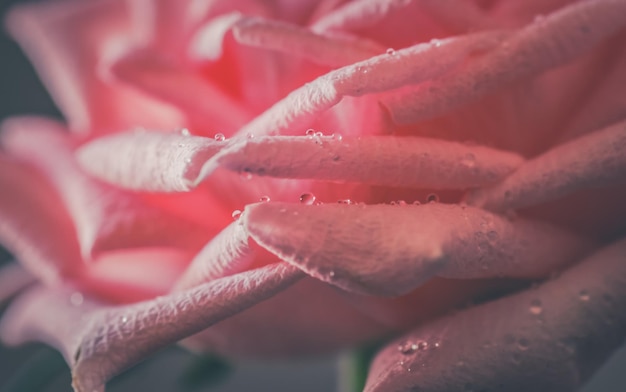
(38, 368)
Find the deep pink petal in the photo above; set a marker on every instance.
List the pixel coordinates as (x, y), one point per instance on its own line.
(390, 250)
(298, 41)
(105, 217)
(551, 42)
(100, 341)
(69, 62)
(381, 73)
(34, 224)
(551, 338)
(390, 161)
(594, 160)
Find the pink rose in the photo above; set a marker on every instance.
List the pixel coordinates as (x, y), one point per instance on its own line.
(505, 119)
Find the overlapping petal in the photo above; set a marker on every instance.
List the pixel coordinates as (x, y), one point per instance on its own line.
(390, 250)
(551, 338)
(99, 341)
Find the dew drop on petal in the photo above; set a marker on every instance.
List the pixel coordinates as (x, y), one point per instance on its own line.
(236, 214)
(245, 174)
(423, 345)
(336, 136)
(535, 307)
(76, 299)
(124, 319)
(219, 137)
(307, 198)
(435, 42)
(407, 348)
(310, 132)
(584, 295)
(264, 199)
(432, 198)
(416, 203)
(344, 201)
(184, 132)
(391, 51)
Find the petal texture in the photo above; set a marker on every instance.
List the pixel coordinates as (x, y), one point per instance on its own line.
(551, 338)
(390, 250)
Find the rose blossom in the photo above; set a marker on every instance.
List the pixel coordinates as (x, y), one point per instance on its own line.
(504, 118)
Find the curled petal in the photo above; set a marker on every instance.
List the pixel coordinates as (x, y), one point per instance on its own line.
(547, 339)
(594, 160)
(552, 41)
(106, 218)
(390, 161)
(100, 341)
(152, 161)
(295, 40)
(388, 71)
(390, 250)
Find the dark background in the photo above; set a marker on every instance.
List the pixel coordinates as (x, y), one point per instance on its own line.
(173, 370)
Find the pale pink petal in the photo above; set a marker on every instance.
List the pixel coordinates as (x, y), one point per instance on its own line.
(68, 63)
(551, 338)
(100, 341)
(390, 250)
(228, 253)
(34, 224)
(105, 217)
(208, 42)
(390, 161)
(13, 279)
(384, 72)
(298, 41)
(550, 42)
(309, 318)
(205, 106)
(148, 160)
(594, 160)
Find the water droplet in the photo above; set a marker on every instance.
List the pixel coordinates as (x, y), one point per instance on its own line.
(310, 132)
(319, 134)
(407, 348)
(336, 136)
(184, 132)
(584, 295)
(245, 174)
(416, 203)
(422, 345)
(432, 198)
(331, 274)
(535, 307)
(391, 51)
(76, 299)
(344, 201)
(307, 198)
(401, 203)
(435, 42)
(250, 136)
(523, 344)
(219, 137)
(124, 319)
(264, 199)
(236, 214)
(539, 18)
(187, 160)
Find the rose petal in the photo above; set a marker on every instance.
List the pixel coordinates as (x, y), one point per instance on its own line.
(390, 250)
(594, 160)
(205, 106)
(34, 224)
(145, 160)
(384, 72)
(553, 41)
(299, 41)
(68, 63)
(228, 253)
(390, 161)
(99, 341)
(547, 339)
(13, 279)
(106, 218)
